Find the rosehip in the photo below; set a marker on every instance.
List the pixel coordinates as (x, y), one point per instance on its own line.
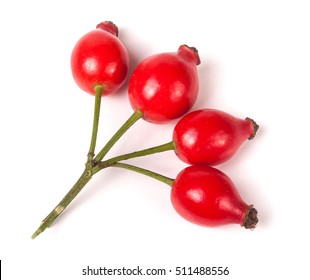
(206, 196)
(100, 58)
(210, 136)
(165, 86)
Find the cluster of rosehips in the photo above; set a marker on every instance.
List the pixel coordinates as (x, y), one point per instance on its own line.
(163, 87)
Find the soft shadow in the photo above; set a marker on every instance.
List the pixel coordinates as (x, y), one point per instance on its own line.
(208, 81)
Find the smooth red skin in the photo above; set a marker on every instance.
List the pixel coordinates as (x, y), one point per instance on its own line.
(206, 196)
(165, 86)
(100, 58)
(210, 136)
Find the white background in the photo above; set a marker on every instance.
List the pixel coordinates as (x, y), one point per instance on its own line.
(255, 62)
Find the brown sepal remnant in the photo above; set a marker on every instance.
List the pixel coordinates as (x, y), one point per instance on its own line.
(250, 220)
(108, 26)
(255, 128)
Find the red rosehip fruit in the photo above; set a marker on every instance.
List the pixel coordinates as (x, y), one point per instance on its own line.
(206, 196)
(165, 86)
(100, 58)
(210, 137)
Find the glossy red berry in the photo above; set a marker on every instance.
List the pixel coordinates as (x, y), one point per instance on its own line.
(210, 136)
(100, 58)
(165, 86)
(206, 196)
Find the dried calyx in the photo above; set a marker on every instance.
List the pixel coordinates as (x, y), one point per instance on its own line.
(250, 221)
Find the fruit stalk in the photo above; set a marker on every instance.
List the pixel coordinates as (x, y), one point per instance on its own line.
(86, 177)
(149, 151)
(146, 172)
(61, 206)
(93, 165)
(132, 119)
(90, 170)
(91, 152)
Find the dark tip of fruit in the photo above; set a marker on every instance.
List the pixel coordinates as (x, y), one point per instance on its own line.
(250, 220)
(255, 128)
(192, 51)
(108, 26)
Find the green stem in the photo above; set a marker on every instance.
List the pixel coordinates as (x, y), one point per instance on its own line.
(61, 206)
(85, 178)
(146, 172)
(90, 170)
(132, 119)
(91, 152)
(86, 175)
(157, 149)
